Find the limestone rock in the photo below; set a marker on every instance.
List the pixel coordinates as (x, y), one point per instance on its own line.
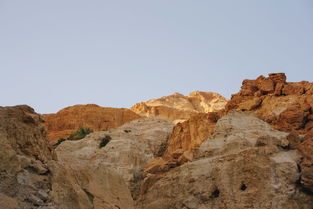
(88, 187)
(178, 108)
(131, 148)
(68, 120)
(245, 164)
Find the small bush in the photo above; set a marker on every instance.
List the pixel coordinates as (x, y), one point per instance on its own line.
(59, 142)
(80, 133)
(127, 131)
(105, 141)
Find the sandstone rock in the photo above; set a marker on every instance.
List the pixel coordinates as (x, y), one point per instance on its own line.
(288, 108)
(68, 120)
(306, 149)
(265, 84)
(184, 139)
(178, 108)
(190, 134)
(23, 153)
(131, 148)
(8, 202)
(88, 187)
(233, 170)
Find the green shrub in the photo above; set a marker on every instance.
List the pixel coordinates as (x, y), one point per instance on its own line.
(105, 141)
(77, 135)
(59, 142)
(80, 133)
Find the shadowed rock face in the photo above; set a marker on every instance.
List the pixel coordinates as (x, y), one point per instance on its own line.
(68, 120)
(245, 164)
(24, 153)
(178, 108)
(31, 179)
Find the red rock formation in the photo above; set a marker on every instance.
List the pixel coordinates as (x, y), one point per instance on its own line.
(68, 120)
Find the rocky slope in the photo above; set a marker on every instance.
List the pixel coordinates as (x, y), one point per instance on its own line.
(131, 148)
(68, 120)
(24, 153)
(31, 177)
(178, 108)
(255, 153)
(287, 106)
(245, 164)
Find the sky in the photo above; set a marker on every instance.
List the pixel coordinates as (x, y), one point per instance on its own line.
(115, 53)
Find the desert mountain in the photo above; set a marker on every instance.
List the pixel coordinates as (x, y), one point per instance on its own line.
(178, 108)
(68, 120)
(287, 106)
(256, 151)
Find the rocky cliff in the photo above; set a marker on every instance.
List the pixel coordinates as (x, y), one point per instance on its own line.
(32, 177)
(68, 120)
(244, 164)
(255, 153)
(178, 108)
(24, 152)
(287, 106)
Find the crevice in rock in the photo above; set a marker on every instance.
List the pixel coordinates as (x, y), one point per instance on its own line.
(90, 196)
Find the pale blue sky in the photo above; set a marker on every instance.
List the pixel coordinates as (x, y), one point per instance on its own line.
(116, 53)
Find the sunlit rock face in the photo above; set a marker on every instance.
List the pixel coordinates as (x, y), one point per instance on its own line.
(287, 106)
(178, 108)
(68, 120)
(244, 164)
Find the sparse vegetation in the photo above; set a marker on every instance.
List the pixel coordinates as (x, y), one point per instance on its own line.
(80, 133)
(105, 141)
(59, 142)
(77, 135)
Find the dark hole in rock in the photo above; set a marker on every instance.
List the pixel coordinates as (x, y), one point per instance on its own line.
(243, 187)
(215, 193)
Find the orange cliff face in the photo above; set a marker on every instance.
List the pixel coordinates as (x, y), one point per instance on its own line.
(179, 108)
(68, 120)
(287, 106)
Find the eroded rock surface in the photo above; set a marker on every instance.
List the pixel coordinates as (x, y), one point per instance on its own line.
(178, 108)
(24, 152)
(30, 176)
(131, 148)
(245, 164)
(68, 120)
(287, 106)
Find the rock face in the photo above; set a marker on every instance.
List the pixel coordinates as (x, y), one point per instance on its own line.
(287, 106)
(68, 120)
(32, 178)
(245, 164)
(185, 138)
(24, 153)
(131, 148)
(178, 108)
